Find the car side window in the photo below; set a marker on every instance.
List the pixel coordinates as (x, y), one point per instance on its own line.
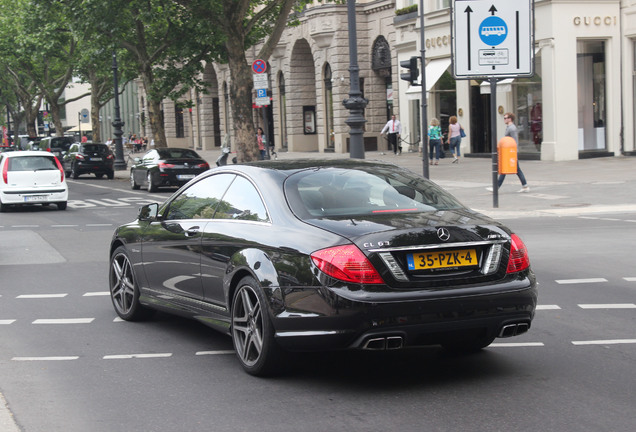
(242, 202)
(151, 155)
(200, 200)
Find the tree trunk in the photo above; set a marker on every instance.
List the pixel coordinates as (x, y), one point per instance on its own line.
(241, 97)
(156, 124)
(54, 111)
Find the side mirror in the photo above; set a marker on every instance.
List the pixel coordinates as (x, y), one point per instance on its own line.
(148, 212)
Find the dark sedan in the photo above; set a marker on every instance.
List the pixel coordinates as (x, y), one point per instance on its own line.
(87, 158)
(166, 167)
(323, 255)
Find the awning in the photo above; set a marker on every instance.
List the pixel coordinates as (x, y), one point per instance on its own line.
(84, 127)
(434, 70)
(502, 86)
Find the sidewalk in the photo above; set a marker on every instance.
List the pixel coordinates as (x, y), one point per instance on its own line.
(586, 186)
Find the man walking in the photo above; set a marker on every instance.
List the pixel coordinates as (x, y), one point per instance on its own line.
(511, 131)
(394, 129)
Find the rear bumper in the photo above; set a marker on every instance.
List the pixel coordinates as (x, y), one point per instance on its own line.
(336, 323)
(34, 196)
(93, 167)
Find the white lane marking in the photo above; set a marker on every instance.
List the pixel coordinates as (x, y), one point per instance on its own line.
(97, 293)
(25, 226)
(605, 342)
(222, 352)
(58, 358)
(41, 296)
(136, 356)
(7, 321)
(516, 344)
(580, 281)
(609, 306)
(548, 307)
(99, 225)
(64, 226)
(630, 279)
(118, 320)
(64, 321)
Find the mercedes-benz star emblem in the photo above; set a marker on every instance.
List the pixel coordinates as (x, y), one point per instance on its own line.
(443, 234)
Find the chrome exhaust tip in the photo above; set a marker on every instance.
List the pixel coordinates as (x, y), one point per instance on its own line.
(511, 330)
(375, 344)
(394, 342)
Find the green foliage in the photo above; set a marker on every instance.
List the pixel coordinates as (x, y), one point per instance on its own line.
(406, 10)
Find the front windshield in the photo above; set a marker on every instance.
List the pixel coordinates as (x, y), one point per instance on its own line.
(332, 192)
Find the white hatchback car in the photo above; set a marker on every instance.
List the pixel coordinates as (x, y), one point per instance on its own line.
(31, 177)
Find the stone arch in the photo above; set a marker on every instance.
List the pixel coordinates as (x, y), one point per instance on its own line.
(379, 89)
(302, 84)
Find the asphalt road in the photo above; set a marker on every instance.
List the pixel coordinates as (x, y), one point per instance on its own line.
(68, 364)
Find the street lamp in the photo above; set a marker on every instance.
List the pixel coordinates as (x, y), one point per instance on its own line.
(120, 163)
(356, 103)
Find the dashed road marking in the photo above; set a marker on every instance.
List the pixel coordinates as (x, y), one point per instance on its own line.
(64, 321)
(7, 321)
(548, 307)
(41, 296)
(96, 294)
(608, 306)
(516, 344)
(56, 358)
(605, 342)
(580, 281)
(136, 356)
(222, 352)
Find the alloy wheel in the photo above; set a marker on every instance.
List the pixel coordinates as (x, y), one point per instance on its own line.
(247, 325)
(122, 289)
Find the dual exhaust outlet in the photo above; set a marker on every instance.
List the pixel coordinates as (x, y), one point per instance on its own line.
(510, 330)
(384, 343)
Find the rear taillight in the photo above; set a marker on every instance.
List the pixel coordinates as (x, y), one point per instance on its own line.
(346, 263)
(519, 259)
(79, 157)
(110, 156)
(163, 165)
(204, 165)
(59, 166)
(5, 172)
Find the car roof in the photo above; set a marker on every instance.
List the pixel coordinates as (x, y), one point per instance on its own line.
(28, 153)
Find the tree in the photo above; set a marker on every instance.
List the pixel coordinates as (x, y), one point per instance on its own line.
(243, 24)
(161, 40)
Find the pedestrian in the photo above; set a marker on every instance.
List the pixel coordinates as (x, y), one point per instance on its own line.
(262, 142)
(394, 129)
(434, 141)
(511, 131)
(454, 138)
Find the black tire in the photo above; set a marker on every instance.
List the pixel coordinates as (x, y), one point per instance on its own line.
(3, 207)
(124, 291)
(110, 175)
(74, 172)
(133, 183)
(61, 205)
(252, 330)
(151, 185)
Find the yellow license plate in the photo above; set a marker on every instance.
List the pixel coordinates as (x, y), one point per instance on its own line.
(442, 259)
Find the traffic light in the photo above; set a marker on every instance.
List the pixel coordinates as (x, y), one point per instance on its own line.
(413, 74)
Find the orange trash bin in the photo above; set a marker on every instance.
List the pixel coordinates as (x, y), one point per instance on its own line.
(507, 152)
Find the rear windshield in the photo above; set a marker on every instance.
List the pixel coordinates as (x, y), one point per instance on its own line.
(332, 192)
(32, 163)
(177, 154)
(95, 148)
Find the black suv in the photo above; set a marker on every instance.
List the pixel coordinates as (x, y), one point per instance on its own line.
(83, 158)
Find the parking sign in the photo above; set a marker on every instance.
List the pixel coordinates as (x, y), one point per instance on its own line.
(492, 38)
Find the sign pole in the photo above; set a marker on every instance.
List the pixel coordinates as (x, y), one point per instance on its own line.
(493, 141)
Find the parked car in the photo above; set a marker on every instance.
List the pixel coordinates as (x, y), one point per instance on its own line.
(31, 177)
(323, 255)
(86, 158)
(166, 167)
(56, 145)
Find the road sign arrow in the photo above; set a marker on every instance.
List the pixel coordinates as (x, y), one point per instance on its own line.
(468, 11)
(492, 10)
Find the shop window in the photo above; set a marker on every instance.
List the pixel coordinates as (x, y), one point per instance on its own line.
(178, 119)
(592, 95)
(528, 107)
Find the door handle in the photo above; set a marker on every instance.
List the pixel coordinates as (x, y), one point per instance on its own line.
(192, 231)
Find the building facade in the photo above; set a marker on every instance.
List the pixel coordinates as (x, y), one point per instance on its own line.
(579, 103)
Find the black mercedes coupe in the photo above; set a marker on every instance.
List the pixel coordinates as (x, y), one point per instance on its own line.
(303, 255)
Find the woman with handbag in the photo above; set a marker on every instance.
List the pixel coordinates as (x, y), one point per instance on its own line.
(455, 134)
